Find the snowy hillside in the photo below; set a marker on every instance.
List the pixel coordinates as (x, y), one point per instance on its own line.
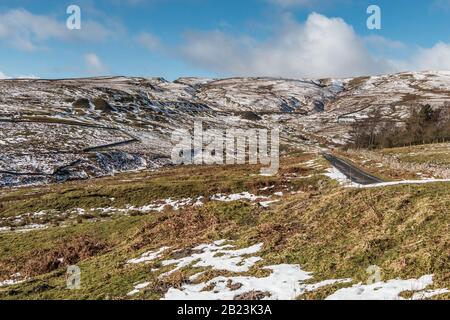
(56, 130)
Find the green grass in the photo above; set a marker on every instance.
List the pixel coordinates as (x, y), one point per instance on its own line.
(138, 189)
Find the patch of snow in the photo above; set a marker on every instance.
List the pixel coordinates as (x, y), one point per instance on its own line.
(148, 256)
(285, 282)
(394, 183)
(426, 294)
(32, 227)
(40, 213)
(199, 202)
(138, 288)
(218, 257)
(236, 197)
(338, 176)
(5, 229)
(79, 211)
(175, 204)
(266, 204)
(15, 279)
(335, 174)
(389, 290)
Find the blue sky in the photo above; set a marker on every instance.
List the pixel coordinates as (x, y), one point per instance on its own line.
(220, 38)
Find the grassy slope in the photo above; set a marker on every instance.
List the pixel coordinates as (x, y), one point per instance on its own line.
(438, 154)
(403, 163)
(331, 231)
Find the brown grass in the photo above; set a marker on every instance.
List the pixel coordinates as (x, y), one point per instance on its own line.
(252, 295)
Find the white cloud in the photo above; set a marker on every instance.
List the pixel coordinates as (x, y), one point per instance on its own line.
(29, 76)
(3, 76)
(27, 31)
(379, 41)
(435, 58)
(149, 41)
(94, 64)
(322, 47)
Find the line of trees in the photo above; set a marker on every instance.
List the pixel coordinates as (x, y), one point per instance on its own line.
(424, 125)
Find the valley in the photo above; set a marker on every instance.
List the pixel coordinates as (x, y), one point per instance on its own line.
(86, 180)
(60, 130)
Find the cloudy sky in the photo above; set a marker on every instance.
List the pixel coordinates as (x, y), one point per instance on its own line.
(221, 38)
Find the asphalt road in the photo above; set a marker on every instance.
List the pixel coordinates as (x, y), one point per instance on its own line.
(355, 174)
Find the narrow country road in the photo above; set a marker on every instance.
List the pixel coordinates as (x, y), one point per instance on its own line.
(355, 174)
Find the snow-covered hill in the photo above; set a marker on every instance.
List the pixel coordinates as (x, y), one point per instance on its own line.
(55, 130)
